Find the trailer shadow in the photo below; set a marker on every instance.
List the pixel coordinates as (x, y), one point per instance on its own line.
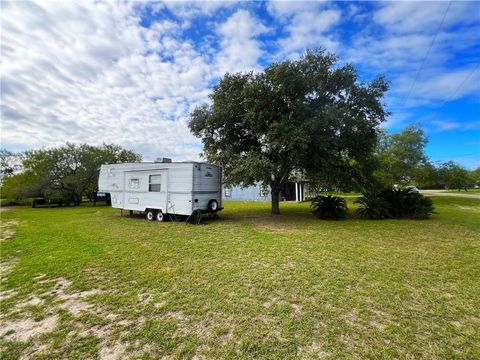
(291, 218)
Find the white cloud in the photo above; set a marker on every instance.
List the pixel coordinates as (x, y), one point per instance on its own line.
(188, 10)
(240, 49)
(437, 85)
(310, 29)
(88, 72)
(286, 9)
(307, 24)
(423, 16)
(422, 70)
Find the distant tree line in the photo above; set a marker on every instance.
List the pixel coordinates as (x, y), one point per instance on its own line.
(68, 172)
(400, 159)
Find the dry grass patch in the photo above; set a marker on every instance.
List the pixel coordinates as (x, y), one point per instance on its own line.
(470, 208)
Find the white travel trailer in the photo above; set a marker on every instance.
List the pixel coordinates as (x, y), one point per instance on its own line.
(163, 187)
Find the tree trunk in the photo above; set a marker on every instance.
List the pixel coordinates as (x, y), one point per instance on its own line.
(275, 201)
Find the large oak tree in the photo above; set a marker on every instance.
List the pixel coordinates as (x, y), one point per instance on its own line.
(310, 115)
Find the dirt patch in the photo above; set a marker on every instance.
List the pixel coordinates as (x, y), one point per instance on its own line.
(314, 349)
(7, 229)
(266, 222)
(114, 351)
(6, 267)
(7, 294)
(32, 301)
(75, 306)
(179, 315)
(377, 324)
(3, 209)
(71, 301)
(24, 329)
(351, 317)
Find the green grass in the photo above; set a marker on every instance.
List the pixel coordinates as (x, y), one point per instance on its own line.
(248, 285)
(470, 191)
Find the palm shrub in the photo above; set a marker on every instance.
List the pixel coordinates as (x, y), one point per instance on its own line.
(397, 201)
(418, 206)
(328, 207)
(373, 207)
(405, 203)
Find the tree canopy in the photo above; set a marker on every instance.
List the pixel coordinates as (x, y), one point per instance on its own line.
(68, 171)
(309, 114)
(401, 156)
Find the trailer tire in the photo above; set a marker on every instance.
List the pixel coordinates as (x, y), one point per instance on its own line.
(150, 214)
(160, 216)
(213, 206)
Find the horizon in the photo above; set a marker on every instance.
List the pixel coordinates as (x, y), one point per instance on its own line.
(130, 73)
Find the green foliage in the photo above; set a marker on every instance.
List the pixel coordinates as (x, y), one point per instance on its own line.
(309, 115)
(372, 207)
(454, 176)
(65, 172)
(10, 162)
(421, 207)
(328, 207)
(14, 202)
(400, 156)
(21, 186)
(408, 204)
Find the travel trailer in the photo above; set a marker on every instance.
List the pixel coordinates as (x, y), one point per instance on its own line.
(163, 188)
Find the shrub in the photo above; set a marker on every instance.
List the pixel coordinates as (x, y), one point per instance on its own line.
(419, 206)
(406, 203)
(329, 207)
(372, 207)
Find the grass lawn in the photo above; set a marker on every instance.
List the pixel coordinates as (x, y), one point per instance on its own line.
(85, 283)
(470, 191)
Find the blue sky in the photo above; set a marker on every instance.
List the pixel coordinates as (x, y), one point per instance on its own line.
(130, 73)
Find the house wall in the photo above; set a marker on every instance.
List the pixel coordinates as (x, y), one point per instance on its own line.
(250, 193)
(296, 192)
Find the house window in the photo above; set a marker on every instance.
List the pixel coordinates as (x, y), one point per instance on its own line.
(134, 183)
(228, 192)
(155, 184)
(263, 190)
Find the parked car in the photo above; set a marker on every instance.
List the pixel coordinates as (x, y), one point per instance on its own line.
(412, 189)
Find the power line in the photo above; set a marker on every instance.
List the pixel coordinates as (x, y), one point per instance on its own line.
(426, 55)
(451, 97)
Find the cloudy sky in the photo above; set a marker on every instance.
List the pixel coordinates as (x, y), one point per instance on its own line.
(130, 73)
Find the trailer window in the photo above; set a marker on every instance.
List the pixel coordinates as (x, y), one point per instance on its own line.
(134, 183)
(228, 192)
(155, 184)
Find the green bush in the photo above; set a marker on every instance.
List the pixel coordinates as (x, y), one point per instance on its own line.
(372, 207)
(16, 202)
(329, 207)
(405, 203)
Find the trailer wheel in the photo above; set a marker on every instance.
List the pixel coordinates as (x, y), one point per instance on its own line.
(213, 205)
(160, 216)
(150, 215)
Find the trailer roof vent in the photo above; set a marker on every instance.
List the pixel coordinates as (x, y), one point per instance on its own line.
(163, 160)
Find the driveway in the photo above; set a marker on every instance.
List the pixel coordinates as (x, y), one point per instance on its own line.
(442, 193)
